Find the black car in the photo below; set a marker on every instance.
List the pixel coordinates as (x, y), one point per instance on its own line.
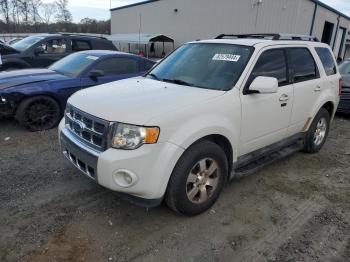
(42, 50)
(344, 104)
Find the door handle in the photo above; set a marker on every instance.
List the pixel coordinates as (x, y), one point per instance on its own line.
(317, 89)
(284, 98)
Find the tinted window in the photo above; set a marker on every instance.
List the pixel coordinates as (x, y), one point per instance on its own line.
(80, 45)
(271, 63)
(117, 66)
(327, 60)
(148, 65)
(302, 64)
(204, 65)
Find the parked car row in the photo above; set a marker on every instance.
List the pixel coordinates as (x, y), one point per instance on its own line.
(37, 97)
(39, 51)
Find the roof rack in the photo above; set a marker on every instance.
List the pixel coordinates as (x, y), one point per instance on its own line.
(77, 34)
(295, 37)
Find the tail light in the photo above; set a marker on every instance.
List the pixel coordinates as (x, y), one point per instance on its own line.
(340, 86)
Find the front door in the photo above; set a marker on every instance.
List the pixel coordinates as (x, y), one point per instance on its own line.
(265, 117)
(49, 51)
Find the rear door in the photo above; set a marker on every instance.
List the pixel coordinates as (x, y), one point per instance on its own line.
(265, 117)
(307, 86)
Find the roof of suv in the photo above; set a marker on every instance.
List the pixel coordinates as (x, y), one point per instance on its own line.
(266, 40)
(72, 35)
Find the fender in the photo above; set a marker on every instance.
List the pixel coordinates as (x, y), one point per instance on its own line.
(15, 61)
(326, 97)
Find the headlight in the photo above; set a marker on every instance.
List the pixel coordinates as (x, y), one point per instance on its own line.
(2, 100)
(131, 137)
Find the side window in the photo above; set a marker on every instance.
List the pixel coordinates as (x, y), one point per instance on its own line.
(303, 64)
(54, 46)
(327, 60)
(118, 66)
(271, 63)
(148, 65)
(80, 45)
(344, 68)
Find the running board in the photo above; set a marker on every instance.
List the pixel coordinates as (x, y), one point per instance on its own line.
(250, 164)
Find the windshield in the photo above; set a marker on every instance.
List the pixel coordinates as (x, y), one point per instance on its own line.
(344, 68)
(27, 42)
(204, 65)
(74, 65)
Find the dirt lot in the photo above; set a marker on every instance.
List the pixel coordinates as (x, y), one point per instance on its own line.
(295, 210)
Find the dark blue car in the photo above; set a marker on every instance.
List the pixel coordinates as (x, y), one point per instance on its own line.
(37, 97)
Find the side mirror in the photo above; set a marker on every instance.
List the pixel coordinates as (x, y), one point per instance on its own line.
(94, 74)
(39, 50)
(263, 85)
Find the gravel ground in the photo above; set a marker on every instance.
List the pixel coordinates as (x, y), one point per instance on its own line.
(297, 209)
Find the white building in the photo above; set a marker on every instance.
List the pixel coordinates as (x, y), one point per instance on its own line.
(188, 20)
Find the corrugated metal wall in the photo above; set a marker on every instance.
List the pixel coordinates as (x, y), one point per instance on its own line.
(202, 19)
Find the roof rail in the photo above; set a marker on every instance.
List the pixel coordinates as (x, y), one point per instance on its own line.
(77, 34)
(295, 37)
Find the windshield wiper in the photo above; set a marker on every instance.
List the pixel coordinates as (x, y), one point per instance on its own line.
(178, 81)
(155, 76)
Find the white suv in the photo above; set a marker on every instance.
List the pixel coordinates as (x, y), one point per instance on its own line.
(211, 111)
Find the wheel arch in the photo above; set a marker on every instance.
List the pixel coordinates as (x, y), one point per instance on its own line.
(28, 96)
(223, 142)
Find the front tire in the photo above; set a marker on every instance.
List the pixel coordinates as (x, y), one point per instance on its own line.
(197, 179)
(318, 132)
(39, 113)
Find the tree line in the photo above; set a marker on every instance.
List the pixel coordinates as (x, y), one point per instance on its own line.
(34, 16)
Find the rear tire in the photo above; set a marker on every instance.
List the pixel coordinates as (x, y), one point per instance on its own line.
(39, 113)
(318, 132)
(197, 179)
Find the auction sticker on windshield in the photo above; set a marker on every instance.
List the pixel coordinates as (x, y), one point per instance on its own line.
(227, 57)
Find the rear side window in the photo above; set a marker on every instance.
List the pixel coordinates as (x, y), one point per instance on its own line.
(271, 63)
(327, 60)
(118, 66)
(302, 64)
(148, 65)
(80, 45)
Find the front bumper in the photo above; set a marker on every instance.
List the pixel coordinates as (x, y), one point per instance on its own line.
(150, 166)
(6, 109)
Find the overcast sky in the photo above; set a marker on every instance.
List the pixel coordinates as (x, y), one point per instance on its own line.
(99, 9)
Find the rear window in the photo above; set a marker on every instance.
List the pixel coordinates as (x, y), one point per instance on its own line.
(80, 45)
(118, 66)
(303, 64)
(327, 60)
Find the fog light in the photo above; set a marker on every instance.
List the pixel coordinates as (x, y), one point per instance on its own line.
(124, 178)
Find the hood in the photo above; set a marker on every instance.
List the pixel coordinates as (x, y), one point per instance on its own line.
(27, 76)
(7, 50)
(137, 100)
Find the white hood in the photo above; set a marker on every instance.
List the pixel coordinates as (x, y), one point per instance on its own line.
(137, 100)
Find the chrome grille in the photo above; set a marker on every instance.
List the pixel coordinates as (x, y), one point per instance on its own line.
(91, 130)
